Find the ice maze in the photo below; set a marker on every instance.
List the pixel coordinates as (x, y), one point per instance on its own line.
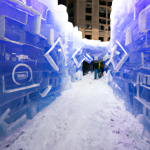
(41, 54)
(129, 61)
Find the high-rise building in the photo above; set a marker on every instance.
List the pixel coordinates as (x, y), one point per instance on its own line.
(92, 17)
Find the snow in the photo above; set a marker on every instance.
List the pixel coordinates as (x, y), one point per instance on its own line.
(87, 117)
(95, 47)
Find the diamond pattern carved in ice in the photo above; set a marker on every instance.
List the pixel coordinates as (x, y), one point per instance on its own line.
(50, 59)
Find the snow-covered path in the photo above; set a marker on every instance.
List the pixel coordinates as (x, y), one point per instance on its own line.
(86, 117)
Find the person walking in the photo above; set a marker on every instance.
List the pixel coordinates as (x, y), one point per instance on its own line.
(102, 68)
(97, 69)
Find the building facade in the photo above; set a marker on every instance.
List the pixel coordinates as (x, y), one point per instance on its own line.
(92, 17)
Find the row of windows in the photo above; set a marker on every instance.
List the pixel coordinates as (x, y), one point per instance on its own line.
(102, 12)
(100, 27)
(102, 2)
(103, 28)
(101, 21)
(100, 38)
(89, 10)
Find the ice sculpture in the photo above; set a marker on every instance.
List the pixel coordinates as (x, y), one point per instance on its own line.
(26, 36)
(40, 54)
(129, 60)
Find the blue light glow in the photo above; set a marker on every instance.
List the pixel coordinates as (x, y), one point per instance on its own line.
(41, 53)
(129, 62)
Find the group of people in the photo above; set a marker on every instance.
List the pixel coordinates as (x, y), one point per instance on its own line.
(97, 66)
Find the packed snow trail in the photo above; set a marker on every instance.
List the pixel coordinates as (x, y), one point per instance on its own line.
(86, 117)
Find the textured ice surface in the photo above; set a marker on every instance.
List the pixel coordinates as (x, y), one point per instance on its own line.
(130, 58)
(40, 54)
(95, 47)
(119, 10)
(88, 117)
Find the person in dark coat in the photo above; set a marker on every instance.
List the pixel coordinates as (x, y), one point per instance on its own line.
(97, 69)
(102, 68)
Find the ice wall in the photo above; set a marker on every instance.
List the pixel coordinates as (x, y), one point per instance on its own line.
(40, 54)
(129, 62)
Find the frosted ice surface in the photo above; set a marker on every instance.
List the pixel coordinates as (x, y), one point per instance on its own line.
(61, 18)
(129, 65)
(78, 75)
(51, 4)
(95, 47)
(77, 38)
(122, 8)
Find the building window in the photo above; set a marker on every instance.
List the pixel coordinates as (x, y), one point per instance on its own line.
(71, 19)
(101, 38)
(101, 27)
(108, 28)
(88, 18)
(108, 38)
(88, 27)
(108, 22)
(88, 5)
(102, 12)
(71, 13)
(88, 37)
(88, 0)
(70, 5)
(88, 10)
(109, 11)
(102, 2)
(109, 3)
(102, 21)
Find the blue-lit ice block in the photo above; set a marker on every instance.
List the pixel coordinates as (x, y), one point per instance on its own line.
(10, 11)
(15, 31)
(24, 71)
(131, 80)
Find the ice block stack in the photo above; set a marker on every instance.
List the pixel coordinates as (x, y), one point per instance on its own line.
(130, 55)
(27, 77)
(40, 54)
